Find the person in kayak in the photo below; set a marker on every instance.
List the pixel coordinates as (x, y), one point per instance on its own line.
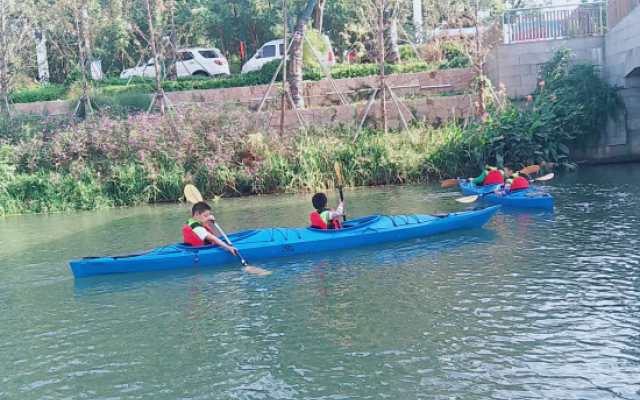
(197, 231)
(514, 181)
(323, 217)
(490, 176)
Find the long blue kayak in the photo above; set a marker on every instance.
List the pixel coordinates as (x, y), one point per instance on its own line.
(282, 242)
(527, 198)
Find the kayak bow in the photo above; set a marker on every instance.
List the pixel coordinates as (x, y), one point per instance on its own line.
(283, 242)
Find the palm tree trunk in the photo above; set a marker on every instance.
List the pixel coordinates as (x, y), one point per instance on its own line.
(4, 54)
(41, 55)
(391, 33)
(295, 58)
(159, 101)
(318, 20)
(81, 34)
(381, 47)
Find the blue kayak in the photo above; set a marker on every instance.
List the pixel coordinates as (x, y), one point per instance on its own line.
(527, 198)
(282, 242)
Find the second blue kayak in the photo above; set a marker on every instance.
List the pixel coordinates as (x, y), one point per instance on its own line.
(282, 242)
(527, 198)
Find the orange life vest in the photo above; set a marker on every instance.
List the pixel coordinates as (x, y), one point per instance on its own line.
(318, 223)
(190, 237)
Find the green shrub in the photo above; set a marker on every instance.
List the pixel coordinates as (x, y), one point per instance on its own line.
(125, 101)
(407, 53)
(582, 99)
(37, 93)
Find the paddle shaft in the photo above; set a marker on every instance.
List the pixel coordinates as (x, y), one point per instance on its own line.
(344, 217)
(242, 260)
(336, 166)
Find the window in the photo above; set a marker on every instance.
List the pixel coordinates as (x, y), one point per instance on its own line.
(185, 56)
(209, 54)
(281, 49)
(268, 51)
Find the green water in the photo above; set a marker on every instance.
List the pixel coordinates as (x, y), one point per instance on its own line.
(536, 305)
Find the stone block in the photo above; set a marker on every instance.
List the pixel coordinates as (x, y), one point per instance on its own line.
(535, 58)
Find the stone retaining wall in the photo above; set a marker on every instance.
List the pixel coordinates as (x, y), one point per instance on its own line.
(424, 83)
(434, 110)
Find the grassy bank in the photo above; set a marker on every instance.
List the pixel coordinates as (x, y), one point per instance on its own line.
(120, 161)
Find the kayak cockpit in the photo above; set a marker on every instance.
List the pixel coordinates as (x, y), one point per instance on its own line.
(350, 225)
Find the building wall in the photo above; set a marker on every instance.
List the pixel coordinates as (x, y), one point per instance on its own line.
(517, 65)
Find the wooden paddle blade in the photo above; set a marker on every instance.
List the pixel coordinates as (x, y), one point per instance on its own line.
(257, 271)
(450, 183)
(192, 194)
(531, 169)
(336, 166)
(547, 177)
(468, 199)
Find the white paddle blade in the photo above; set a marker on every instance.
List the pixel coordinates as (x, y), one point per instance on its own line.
(468, 199)
(547, 177)
(192, 194)
(257, 271)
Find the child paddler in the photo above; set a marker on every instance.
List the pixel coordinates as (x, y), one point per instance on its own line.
(323, 217)
(490, 176)
(514, 181)
(197, 231)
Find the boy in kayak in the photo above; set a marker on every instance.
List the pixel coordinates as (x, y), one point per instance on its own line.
(490, 176)
(513, 182)
(324, 218)
(197, 231)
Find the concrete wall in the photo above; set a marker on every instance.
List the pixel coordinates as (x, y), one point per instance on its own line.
(517, 65)
(621, 139)
(623, 52)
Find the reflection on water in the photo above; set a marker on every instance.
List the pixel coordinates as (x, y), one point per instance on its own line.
(537, 305)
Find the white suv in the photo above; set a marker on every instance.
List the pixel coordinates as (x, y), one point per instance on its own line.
(274, 50)
(197, 61)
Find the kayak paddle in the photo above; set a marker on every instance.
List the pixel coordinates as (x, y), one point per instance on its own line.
(471, 199)
(531, 169)
(192, 194)
(336, 166)
(450, 183)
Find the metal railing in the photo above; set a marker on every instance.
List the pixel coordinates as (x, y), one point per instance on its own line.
(548, 23)
(618, 9)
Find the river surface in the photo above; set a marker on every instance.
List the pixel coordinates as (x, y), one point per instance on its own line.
(536, 305)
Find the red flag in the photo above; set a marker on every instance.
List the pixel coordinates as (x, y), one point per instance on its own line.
(241, 49)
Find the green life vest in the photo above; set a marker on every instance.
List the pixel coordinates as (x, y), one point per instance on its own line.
(513, 176)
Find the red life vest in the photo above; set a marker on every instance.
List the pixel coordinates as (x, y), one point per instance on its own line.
(494, 177)
(519, 183)
(190, 237)
(318, 223)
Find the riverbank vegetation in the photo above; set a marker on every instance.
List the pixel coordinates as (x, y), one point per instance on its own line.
(119, 159)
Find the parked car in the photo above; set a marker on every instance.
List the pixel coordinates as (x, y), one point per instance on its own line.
(197, 61)
(274, 50)
(370, 52)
